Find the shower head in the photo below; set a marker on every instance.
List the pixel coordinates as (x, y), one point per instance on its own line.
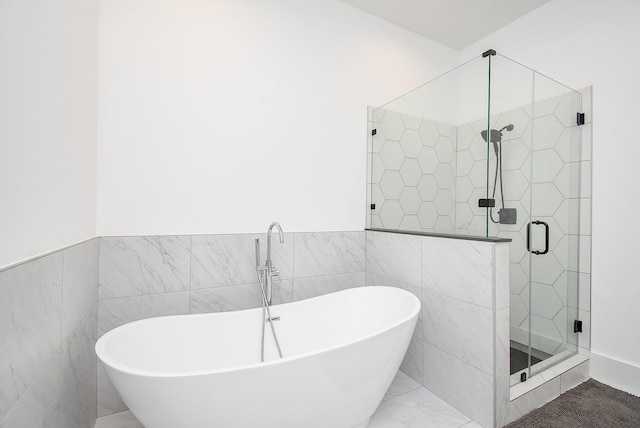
(495, 136)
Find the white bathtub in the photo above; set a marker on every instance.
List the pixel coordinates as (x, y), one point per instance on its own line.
(341, 352)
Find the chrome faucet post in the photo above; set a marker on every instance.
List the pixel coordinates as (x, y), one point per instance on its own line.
(271, 270)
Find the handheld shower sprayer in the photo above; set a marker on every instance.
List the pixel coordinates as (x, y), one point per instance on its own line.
(507, 215)
(495, 136)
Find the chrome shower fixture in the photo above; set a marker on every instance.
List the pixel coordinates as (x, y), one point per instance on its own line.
(495, 136)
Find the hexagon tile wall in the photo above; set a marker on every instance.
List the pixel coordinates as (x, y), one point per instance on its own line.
(427, 176)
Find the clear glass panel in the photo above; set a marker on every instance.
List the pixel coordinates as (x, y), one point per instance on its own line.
(492, 129)
(424, 142)
(555, 206)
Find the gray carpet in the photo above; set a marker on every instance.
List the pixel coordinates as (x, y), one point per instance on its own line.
(589, 405)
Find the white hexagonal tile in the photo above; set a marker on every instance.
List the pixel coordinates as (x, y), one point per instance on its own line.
(411, 122)
(444, 202)
(445, 150)
(392, 125)
(464, 215)
(376, 223)
(517, 310)
(391, 214)
(427, 215)
(428, 133)
(569, 145)
(514, 154)
(546, 132)
(544, 301)
(546, 199)
(445, 129)
(546, 165)
(517, 248)
(464, 162)
(410, 143)
(410, 200)
(478, 174)
(444, 176)
(377, 168)
(443, 224)
(376, 196)
(391, 185)
(568, 108)
(427, 187)
(567, 252)
(516, 117)
(518, 279)
(466, 134)
(391, 155)
(410, 172)
(568, 216)
(464, 189)
(545, 269)
(568, 180)
(479, 148)
(515, 184)
(428, 160)
(545, 336)
(410, 222)
(542, 107)
(563, 325)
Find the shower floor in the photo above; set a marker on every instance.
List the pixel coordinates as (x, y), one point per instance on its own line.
(519, 360)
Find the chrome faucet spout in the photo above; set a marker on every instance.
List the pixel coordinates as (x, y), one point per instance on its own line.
(271, 271)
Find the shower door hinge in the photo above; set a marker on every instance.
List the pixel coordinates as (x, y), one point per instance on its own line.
(580, 118)
(374, 131)
(577, 326)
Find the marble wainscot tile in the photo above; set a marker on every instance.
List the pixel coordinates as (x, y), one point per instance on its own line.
(502, 362)
(412, 363)
(79, 377)
(39, 406)
(459, 328)
(30, 324)
(305, 288)
(401, 384)
(458, 268)
(327, 253)
(534, 399)
(116, 312)
(463, 386)
(394, 256)
(222, 260)
(237, 297)
(132, 266)
(109, 401)
(80, 283)
(417, 408)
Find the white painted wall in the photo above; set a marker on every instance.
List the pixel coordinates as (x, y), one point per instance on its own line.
(582, 43)
(223, 116)
(48, 101)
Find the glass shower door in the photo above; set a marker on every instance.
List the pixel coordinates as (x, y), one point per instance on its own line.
(553, 232)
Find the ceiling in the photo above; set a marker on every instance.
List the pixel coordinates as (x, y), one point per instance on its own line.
(454, 23)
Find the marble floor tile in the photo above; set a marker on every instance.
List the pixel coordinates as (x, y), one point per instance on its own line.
(405, 405)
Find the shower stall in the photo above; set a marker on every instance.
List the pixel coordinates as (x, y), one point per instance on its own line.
(495, 150)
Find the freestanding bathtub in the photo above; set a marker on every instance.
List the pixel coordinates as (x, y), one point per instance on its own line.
(341, 352)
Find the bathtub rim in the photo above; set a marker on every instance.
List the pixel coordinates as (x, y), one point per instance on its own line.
(100, 346)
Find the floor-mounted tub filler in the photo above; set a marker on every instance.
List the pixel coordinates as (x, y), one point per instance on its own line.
(340, 354)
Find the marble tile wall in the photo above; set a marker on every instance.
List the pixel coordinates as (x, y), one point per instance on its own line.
(141, 277)
(460, 348)
(48, 328)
